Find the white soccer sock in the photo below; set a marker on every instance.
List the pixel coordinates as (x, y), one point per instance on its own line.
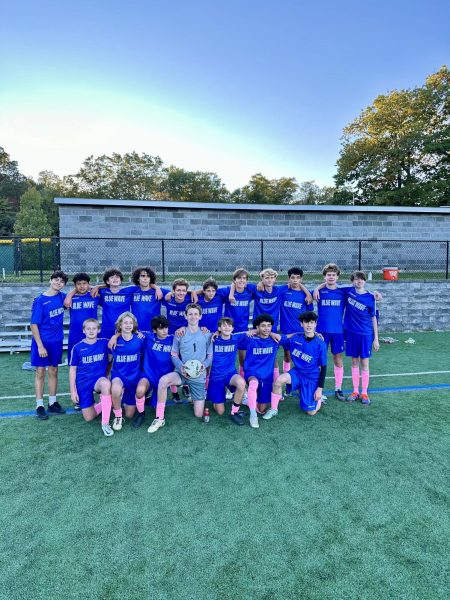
(39, 403)
(51, 400)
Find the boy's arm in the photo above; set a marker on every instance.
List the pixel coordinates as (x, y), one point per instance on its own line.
(209, 355)
(37, 338)
(316, 293)
(231, 297)
(95, 291)
(113, 341)
(320, 383)
(308, 297)
(68, 298)
(376, 343)
(72, 383)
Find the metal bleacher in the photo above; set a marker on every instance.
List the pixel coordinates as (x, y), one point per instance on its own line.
(16, 336)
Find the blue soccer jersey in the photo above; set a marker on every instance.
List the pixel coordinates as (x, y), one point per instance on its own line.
(359, 310)
(84, 306)
(91, 361)
(211, 311)
(293, 304)
(157, 356)
(240, 310)
(113, 305)
(260, 357)
(176, 313)
(127, 357)
(48, 314)
(307, 355)
(268, 302)
(224, 355)
(144, 305)
(330, 308)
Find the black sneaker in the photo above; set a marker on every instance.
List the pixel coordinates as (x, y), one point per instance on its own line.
(138, 419)
(186, 391)
(77, 407)
(41, 413)
(176, 398)
(339, 395)
(56, 409)
(237, 418)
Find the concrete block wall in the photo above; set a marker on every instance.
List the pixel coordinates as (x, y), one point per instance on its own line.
(415, 306)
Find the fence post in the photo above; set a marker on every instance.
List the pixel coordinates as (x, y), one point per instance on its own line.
(16, 256)
(359, 255)
(446, 261)
(41, 270)
(163, 261)
(262, 255)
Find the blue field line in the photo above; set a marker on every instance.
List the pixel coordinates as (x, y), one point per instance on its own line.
(69, 411)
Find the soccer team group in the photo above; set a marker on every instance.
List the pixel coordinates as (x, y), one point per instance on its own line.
(139, 352)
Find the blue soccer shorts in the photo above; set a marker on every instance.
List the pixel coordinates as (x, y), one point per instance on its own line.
(358, 345)
(54, 354)
(306, 388)
(217, 388)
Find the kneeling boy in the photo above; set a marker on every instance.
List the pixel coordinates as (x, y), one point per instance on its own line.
(309, 355)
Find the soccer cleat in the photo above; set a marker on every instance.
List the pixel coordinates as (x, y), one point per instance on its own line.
(237, 418)
(254, 422)
(117, 423)
(186, 391)
(352, 397)
(41, 413)
(107, 430)
(157, 424)
(324, 399)
(56, 409)
(138, 419)
(339, 395)
(77, 407)
(272, 412)
(365, 399)
(176, 398)
(229, 395)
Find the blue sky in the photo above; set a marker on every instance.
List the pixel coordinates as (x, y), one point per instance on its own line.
(231, 87)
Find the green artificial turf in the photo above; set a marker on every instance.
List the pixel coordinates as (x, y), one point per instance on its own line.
(349, 504)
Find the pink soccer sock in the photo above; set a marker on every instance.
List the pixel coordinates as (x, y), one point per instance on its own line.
(106, 409)
(274, 400)
(286, 366)
(235, 409)
(117, 412)
(364, 381)
(252, 394)
(98, 408)
(241, 371)
(160, 408)
(173, 389)
(355, 379)
(276, 373)
(140, 404)
(338, 376)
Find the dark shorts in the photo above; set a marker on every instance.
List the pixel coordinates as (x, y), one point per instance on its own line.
(264, 391)
(54, 350)
(129, 389)
(335, 341)
(358, 345)
(306, 388)
(217, 388)
(86, 393)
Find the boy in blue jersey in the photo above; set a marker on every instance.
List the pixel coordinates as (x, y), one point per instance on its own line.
(211, 304)
(157, 361)
(261, 354)
(47, 318)
(175, 303)
(361, 334)
(114, 301)
(309, 355)
(294, 302)
(126, 368)
(193, 345)
(146, 296)
(223, 373)
(89, 363)
(82, 307)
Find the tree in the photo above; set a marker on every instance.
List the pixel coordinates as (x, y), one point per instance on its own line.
(31, 220)
(193, 186)
(6, 217)
(51, 186)
(131, 176)
(261, 190)
(12, 182)
(397, 152)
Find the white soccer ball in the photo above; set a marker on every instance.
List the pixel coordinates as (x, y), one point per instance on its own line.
(193, 368)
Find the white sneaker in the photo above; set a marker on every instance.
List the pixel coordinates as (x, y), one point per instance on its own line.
(245, 399)
(254, 421)
(107, 430)
(117, 423)
(272, 412)
(157, 424)
(229, 395)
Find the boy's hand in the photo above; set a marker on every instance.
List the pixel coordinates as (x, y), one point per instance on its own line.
(250, 333)
(308, 297)
(316, 294)
(194, 297)
(275, 336)
(68, 302)
(376, 344)
(215, 335)
(318, 394)
(168, 297)
(320, 336)
(95, 291)
(180, 331)
(204, 330)
(140, 335)
(377, 296)
(158, 292)
(260, 286)
(113, 341)
(74, 397)
(42, 351)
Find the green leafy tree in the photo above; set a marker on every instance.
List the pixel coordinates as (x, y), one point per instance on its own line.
(31, 220)
(12, 182)
(261, 190)
(51, 186)
(397, 152)
(132, 175)
(193, 186)
(6, 217)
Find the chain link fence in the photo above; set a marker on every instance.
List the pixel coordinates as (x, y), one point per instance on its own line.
(33, 259)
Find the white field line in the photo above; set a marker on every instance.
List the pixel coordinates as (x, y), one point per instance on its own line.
(330, 377)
